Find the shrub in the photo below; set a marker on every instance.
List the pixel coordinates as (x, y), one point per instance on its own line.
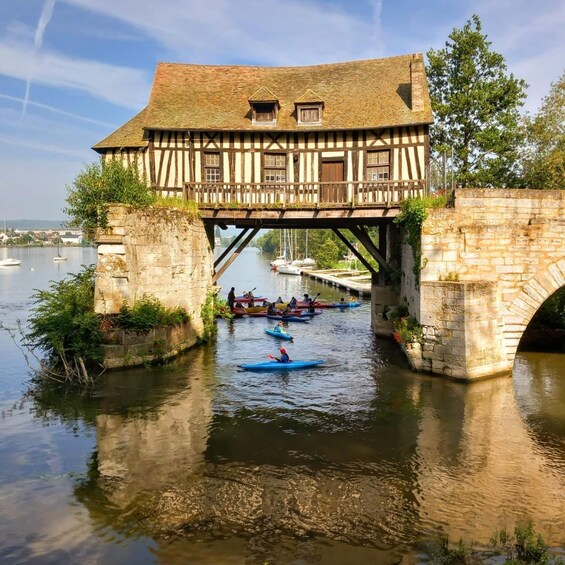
(147, 313)
(63, 325)
(407, 330)
(100, 184)
(412, 215)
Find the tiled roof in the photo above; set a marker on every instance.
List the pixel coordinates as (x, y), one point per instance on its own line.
(131, 134)
(263, 95)
(373, 93)
(308, 97)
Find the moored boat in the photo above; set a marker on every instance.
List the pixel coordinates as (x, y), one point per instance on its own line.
(9, 262)
(288, 269)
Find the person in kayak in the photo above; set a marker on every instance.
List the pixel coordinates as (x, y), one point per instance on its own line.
(278, 328)
(231, 297)
(342, 301)
(279, 300)
(292, 302)
(271, 310)
(284, 358)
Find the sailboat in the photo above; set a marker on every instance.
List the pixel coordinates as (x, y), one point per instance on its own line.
(308, 261)
(288, 267)
(58, 258)
(281, 259)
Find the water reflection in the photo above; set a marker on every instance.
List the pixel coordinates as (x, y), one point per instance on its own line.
(411, 456)
(357, 461)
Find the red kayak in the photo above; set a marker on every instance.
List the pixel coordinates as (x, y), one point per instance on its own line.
(247, 300)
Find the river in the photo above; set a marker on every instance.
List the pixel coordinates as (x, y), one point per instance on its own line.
(357, 461)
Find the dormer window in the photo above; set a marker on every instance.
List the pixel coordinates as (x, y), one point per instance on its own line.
(264, 112)
(309, 109)
(309, 115)
(264, 107)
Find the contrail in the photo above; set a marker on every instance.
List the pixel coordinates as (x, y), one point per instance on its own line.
(46, 14)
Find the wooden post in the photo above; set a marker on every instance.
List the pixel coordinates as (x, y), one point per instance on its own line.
(219, 273)
(230, 247)
(351, 248)
(367, 242)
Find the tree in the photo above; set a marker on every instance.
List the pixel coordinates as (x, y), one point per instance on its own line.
(100, 184)
(544, 155)
(476, 108)
(328, 254)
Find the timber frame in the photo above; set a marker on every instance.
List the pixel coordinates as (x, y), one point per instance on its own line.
(233, 140)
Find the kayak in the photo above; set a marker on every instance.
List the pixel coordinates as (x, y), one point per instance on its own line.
(280, 335)
(289, 318)
(276, 366)
(246, 299)
(351, 304)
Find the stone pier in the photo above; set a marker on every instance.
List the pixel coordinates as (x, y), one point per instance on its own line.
(162, 252)
(488, 264)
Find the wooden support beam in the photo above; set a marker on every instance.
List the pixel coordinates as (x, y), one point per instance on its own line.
(361, 234)
(230, 247)
(220, 272)
(351, 248)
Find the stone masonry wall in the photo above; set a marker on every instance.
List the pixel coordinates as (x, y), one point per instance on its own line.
(512, 239)
(162, 252)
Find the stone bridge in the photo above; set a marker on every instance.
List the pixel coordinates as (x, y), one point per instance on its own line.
(488, 264)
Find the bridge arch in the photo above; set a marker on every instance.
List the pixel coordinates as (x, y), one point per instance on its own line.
(528, 301)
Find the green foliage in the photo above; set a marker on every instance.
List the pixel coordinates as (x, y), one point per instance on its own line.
(189, 206)
(407, 330)
(213, 307)
(544, 155)
(476, 108)
(461, 554)
(412, 216)
(270, 243)
(147, 313)
(63, 323)
(328, 254)
(524, 546)
(100, 184)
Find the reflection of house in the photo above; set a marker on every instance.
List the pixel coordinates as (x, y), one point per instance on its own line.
(335, 133)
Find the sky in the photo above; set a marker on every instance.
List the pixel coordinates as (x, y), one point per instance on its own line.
(72, 71)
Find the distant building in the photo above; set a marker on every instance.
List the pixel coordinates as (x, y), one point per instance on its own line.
(71, 239)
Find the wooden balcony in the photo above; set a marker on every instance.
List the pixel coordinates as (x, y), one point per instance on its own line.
(344, 194)
(301, 204)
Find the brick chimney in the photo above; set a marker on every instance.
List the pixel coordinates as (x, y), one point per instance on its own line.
(417, 83)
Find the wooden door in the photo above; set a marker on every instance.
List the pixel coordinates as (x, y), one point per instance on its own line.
(332, 171)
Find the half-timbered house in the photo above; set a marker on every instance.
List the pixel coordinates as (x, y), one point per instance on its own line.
(344, 134)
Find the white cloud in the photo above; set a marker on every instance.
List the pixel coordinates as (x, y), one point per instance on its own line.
(530, 36)
(122, 86)
(58, 111)
(267, 31)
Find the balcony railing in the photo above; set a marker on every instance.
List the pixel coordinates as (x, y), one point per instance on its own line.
(308, 194)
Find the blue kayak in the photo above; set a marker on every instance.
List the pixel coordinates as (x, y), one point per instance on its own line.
(280, 335)
(352, 304)
(277, 366)
(288, 318)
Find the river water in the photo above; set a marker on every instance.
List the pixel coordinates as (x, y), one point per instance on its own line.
(357, 461)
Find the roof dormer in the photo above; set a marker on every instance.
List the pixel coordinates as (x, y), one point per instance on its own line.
(264, 107)
(309, 109)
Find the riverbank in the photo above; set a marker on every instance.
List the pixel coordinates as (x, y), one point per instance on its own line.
(357, 282)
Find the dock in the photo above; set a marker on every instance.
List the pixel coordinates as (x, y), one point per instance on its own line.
(358, 282)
